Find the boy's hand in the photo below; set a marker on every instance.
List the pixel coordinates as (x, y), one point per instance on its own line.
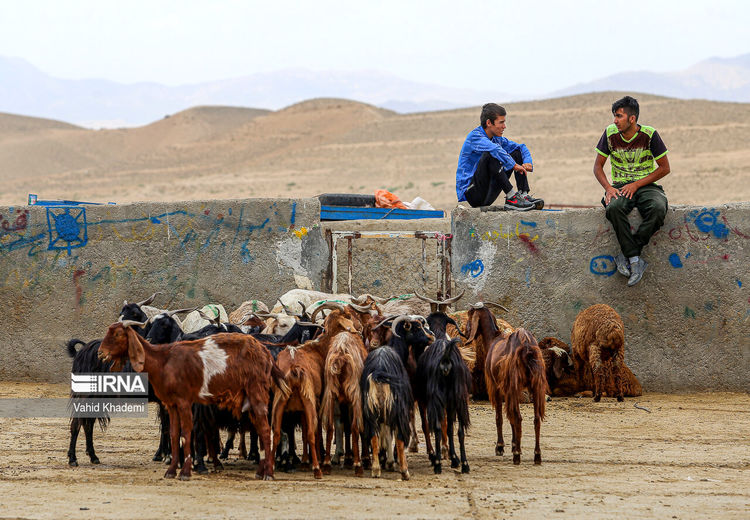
(528, 167)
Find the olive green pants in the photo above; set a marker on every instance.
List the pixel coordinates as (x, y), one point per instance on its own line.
(652, 205)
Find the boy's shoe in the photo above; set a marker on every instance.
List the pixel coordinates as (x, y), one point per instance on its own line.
(518, 203)
(636, 272)
(538, 203)
(623, 267)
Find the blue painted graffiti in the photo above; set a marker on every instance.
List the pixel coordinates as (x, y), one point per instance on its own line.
(707, 221)
(603, 265)
(473, 269)
(527, 223)
(739, 283)
(69, 230)
(674, 259)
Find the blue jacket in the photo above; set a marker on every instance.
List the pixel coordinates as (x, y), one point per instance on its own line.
(475, 145)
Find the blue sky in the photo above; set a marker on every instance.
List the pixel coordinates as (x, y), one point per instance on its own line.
(523, 47)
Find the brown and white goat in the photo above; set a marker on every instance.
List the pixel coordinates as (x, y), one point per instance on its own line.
(303, 372)
(233, 371)
(343, 370)
(598, 344)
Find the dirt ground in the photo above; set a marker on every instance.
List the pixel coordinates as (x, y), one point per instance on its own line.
(688, 458)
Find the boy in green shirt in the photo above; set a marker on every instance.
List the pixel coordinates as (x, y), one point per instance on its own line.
(638, 158)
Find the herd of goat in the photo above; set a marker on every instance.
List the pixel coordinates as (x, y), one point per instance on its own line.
(350, 368)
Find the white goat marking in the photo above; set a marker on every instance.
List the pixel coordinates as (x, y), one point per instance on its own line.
(293, 350)
(214, 362)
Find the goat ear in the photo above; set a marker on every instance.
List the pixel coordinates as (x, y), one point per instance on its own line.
(135, 350)
(472, 327)
(557, 367)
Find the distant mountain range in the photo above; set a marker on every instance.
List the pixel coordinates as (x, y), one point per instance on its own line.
(26, 90)
(715, 79)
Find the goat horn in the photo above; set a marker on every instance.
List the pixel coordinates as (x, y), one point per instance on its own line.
(133, 323)
(478, 305)
(398, 320)
(172, 313)
(360, 308)
(325, 305)
(425, 299)
(360, 300)
(148, 300)
(310, 324)
(454, 299)
(497, 305)
(266, 315)
(385, 320)
(304, 309)
(381, 300)
(215, 320)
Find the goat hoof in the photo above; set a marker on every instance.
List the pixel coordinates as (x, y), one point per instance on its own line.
(455, 462)
(537, 458)
(404, 475)
(620, 398)
(268, 477)
(389, 466)
(366, 463)
(218, 466)
(168, 460)
(201, 470)
(305, 466)
(184, 476)
(597, 398)
(317, 473)
(375, 473)
(438, 469)
(95, 460)
(358, 471)
(170, 474)
(253, 457)
(516, 459)
(464, 468)
(349, 461)
(326, 469)
(158, 457)
(432, 458)
(73, 463)
(499, 450)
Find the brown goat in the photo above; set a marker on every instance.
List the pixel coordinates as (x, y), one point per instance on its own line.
(303, 372)
(515, 364)
(475, 341)
(342, 374)
(598, 344)
(233, 371)
(570, 383)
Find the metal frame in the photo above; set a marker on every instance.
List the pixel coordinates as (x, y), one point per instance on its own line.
(443, 255)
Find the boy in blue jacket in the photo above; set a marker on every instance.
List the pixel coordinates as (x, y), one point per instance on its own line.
(486, 162)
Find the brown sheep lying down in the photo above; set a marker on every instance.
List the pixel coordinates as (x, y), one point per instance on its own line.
(578, 382)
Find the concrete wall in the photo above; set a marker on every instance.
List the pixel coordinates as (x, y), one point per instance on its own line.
(687, 323)
(64, 272)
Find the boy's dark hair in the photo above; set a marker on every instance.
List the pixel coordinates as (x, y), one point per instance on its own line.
(490, 111)
(629, 105)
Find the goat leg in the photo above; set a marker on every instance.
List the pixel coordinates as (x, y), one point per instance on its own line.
(75, 428)
(186, 425)
(88, 430)
(500, 444)
(358, 472)
(174, 433)
(462, 446)
(228, 445)
(537, 429)
(451, 419)
(374, 442)
(515, 421)
(329, 440)
(444, 430)
(402, 459)
(259, 418)
(426, 431)
(438, 467)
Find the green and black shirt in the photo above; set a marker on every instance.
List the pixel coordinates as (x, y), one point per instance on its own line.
(634, 159)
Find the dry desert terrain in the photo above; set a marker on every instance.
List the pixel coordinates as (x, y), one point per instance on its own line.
(334, 146)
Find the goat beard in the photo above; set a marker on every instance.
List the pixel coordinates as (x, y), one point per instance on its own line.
(116, 365)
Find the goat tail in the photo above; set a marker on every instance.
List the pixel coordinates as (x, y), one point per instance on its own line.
(537, 378)
(71, 346)
(280, 380)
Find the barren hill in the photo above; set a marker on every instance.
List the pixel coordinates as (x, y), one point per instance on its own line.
(334, 145)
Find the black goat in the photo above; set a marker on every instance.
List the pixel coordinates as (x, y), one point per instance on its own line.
(85, 360)
(387, 405)
(443, 382)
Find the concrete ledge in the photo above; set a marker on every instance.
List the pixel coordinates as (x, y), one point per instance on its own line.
(687, 323)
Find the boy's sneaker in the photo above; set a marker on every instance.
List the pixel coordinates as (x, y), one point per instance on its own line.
(636, 272)
(518, 203)
(623, 267)
(538, 203)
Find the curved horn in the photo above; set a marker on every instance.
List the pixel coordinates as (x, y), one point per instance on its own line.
(428, 300)
(454, 299)
(381, 300)
(148, 300)
(497, 305)
(215, 320)
(266, 315)
(360, 308)
(304, 309)
(310, 324)
(172, 313)
(385, 320)
(326, 305)
(403, 317)
(289, 312)
(360, 300)
(453, 322)
(133, 323)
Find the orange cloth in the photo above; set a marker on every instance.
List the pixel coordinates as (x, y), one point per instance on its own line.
(386, 199)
